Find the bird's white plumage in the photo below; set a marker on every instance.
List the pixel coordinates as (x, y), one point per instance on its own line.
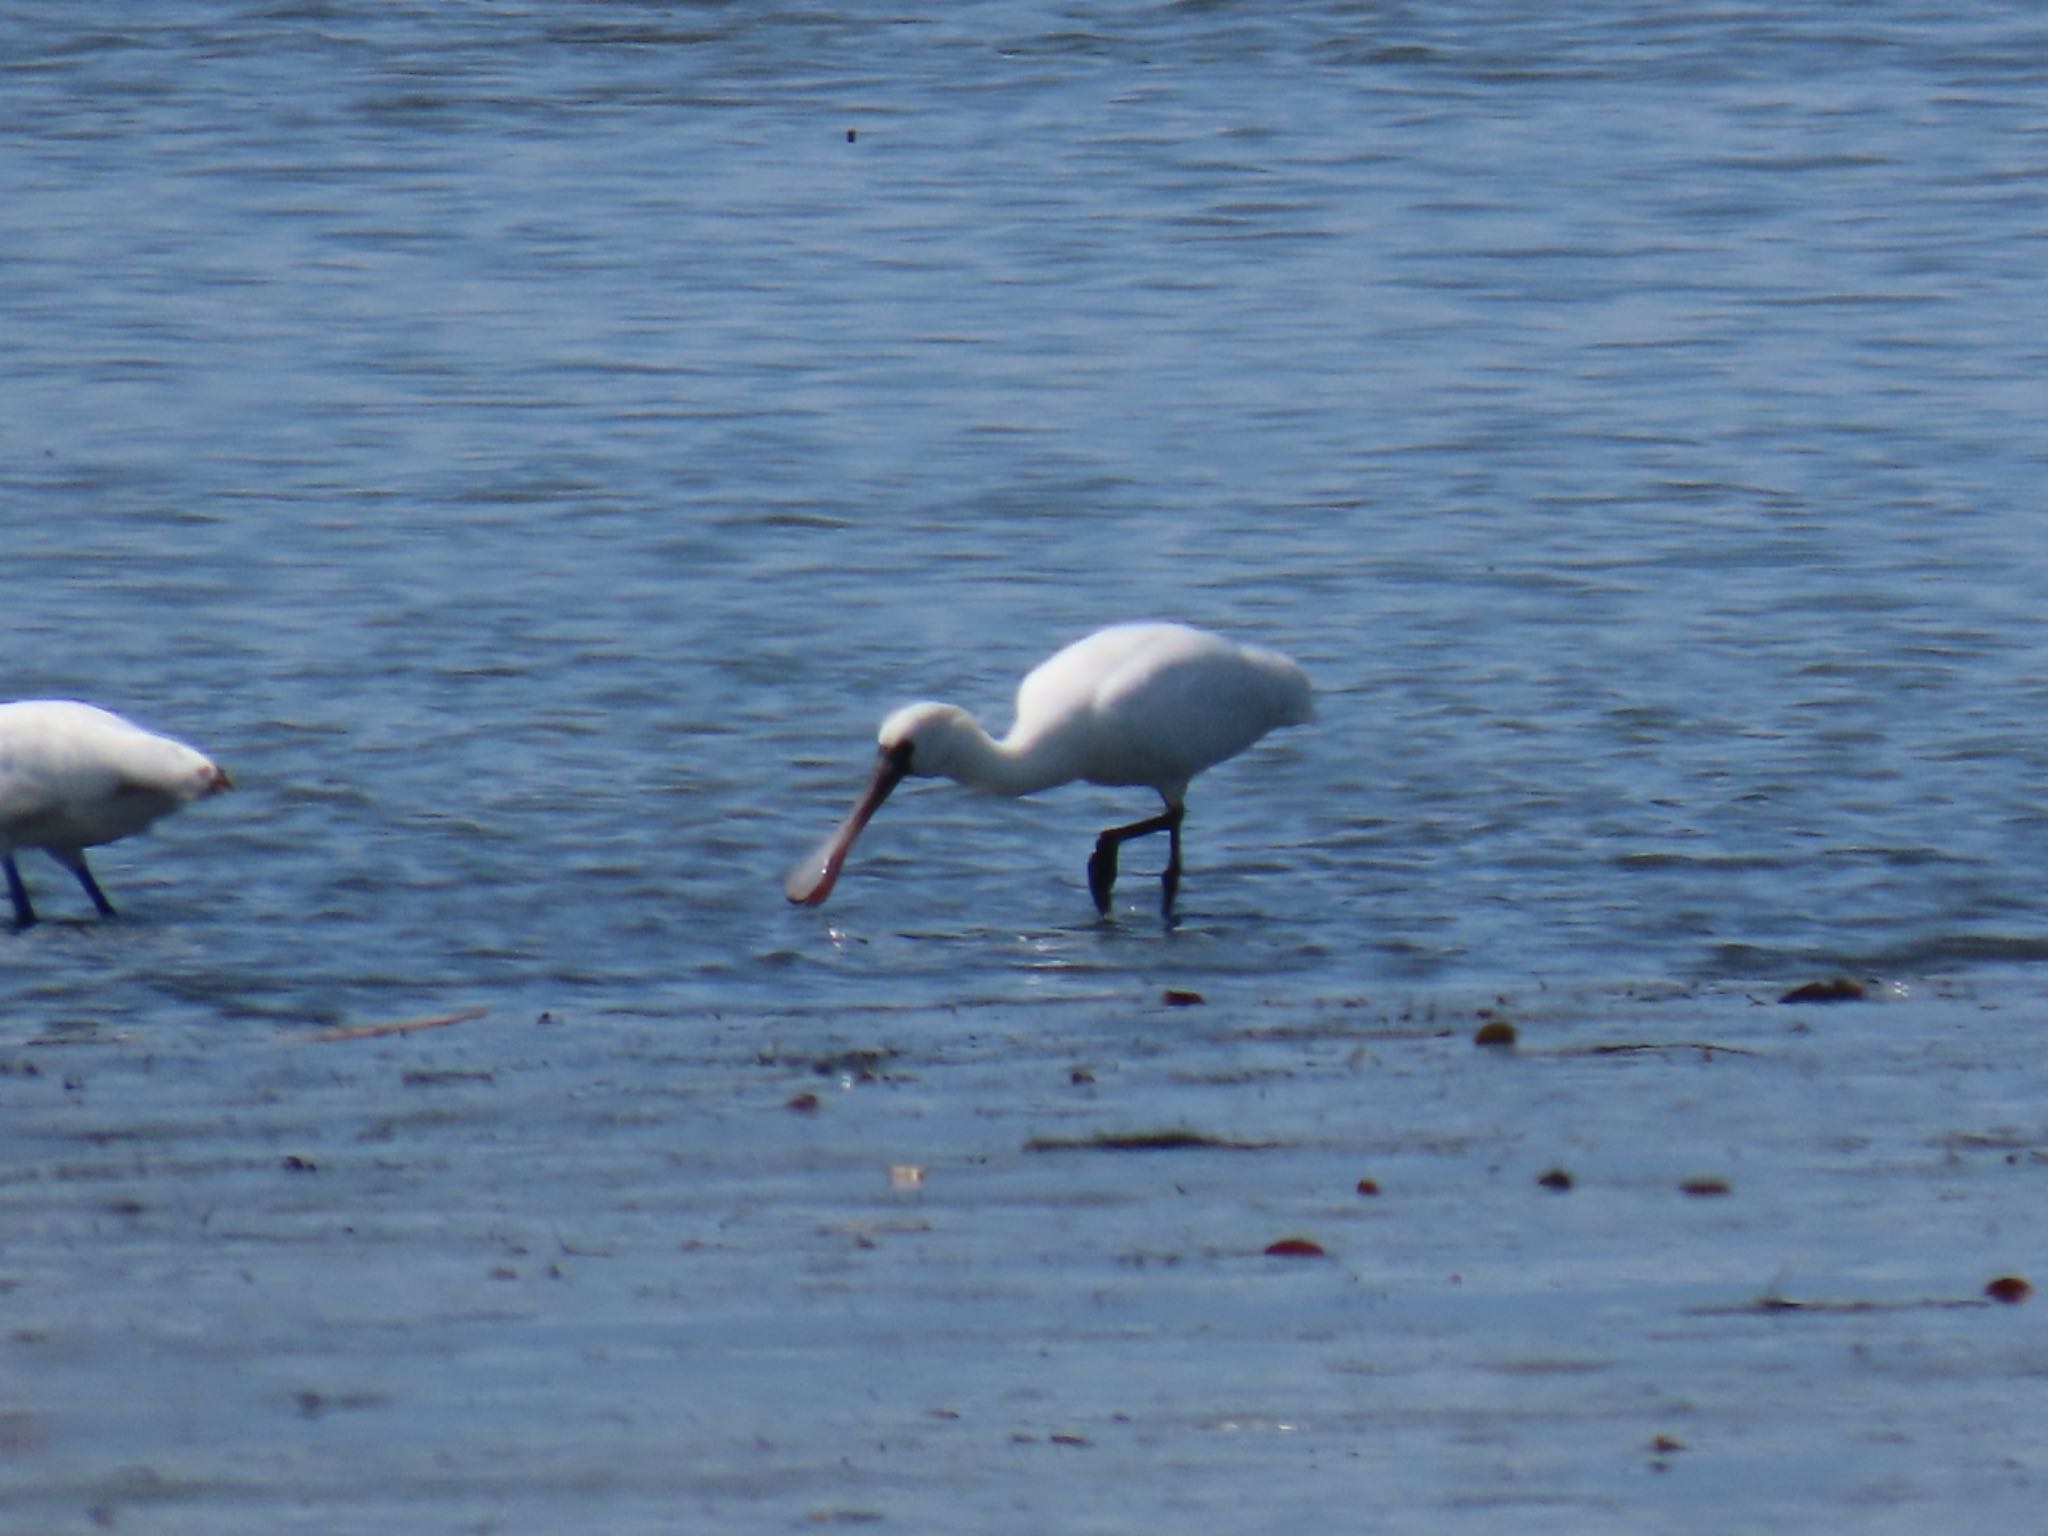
(1134, 704)
(1154, 704)
(73, 776)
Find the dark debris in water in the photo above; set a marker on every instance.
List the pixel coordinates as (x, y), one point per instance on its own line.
(444, 1077)
(858, 1064)
(1706, 1048)
(312, 1404)
(863, 1065)
(1836, 989)
(2007, 1290)
(1178, 1138)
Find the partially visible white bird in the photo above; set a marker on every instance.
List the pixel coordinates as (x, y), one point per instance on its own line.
(1150, 704)
(73, 777)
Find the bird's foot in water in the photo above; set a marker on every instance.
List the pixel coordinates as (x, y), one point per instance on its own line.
(1102, 871)
(24, 914)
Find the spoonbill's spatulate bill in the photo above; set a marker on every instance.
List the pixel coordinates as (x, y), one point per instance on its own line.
(1150, 704)
(73, 777)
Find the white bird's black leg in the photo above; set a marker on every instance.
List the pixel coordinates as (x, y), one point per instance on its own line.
(24, 914)
(1170, 880)
(75, 862)
(1102, 862)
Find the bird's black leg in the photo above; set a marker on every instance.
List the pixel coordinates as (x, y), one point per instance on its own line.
(1102, 862)
(1101, 870)
(75, 862)
(24, 914)
(1170, 880)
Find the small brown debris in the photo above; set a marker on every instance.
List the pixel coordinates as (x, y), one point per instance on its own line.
(1836, 989)
(1295, 1248)
(1176, 997)
(402, 1027)
(1368, 1186)
(1081, 1077)
(294, 1163)
(1555, 1178)
(1664, 1445)
(1709, 1185)
(805, 1103)
(1067, 1437)
(2010, 1289)
(1495, 1033)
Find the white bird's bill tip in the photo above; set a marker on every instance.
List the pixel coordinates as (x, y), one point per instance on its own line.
(811, 878)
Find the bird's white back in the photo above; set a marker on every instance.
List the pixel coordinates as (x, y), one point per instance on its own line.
(73, 775)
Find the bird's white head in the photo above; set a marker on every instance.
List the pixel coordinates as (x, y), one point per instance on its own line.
(931, 740)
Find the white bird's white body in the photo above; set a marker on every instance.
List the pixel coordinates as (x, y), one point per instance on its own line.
(1150, 704)
(73, 777)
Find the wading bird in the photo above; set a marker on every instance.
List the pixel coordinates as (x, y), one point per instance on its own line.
(1150, 704)
(73, 777)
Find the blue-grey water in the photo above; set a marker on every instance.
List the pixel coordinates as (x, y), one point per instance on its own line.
(532, 446)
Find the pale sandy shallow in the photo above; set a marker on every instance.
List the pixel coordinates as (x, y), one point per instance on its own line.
(526, 1273)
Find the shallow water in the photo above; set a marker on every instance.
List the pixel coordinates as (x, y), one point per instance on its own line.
(532, 448)
(510, 1271)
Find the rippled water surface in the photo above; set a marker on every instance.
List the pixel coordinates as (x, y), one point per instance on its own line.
(532, 446)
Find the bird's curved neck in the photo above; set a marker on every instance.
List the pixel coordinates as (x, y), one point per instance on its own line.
(1007, 767)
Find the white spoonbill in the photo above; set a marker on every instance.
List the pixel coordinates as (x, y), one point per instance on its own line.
(1149, 704)
(73, 777)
